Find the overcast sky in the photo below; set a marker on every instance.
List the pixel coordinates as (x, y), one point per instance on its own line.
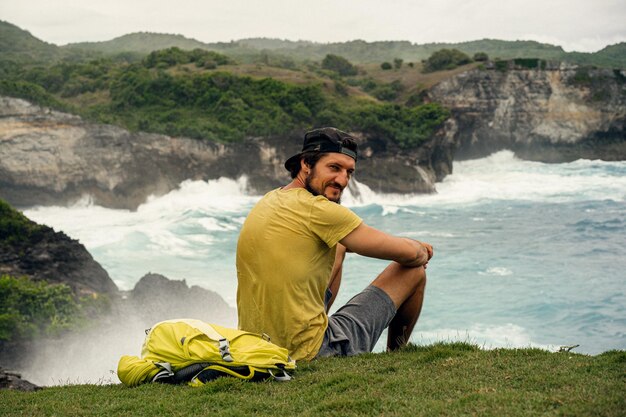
(576, 25)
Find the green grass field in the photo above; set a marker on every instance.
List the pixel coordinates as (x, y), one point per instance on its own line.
(443, 379)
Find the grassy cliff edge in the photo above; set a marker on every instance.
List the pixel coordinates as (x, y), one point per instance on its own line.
(441, 379)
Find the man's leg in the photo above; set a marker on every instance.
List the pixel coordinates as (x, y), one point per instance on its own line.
(405, 286)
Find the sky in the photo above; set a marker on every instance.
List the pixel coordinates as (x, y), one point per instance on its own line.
(575, 25)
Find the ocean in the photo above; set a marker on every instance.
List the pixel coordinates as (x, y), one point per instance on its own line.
(527, 254)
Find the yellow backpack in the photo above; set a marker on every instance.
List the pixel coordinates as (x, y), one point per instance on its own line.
(195, 352)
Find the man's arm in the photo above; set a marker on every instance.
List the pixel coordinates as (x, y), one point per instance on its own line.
(335, 276)
(371, 242)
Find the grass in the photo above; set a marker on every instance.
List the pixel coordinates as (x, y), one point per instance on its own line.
(413, 79)
(443, 379)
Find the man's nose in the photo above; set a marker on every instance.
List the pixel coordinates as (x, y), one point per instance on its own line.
(343, 178)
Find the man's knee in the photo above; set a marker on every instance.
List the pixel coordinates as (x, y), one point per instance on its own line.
(401, 282)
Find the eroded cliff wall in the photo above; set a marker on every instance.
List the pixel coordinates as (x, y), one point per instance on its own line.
(555, 115)
(48, 157)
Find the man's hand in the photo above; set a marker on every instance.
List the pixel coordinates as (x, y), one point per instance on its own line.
(423, 253)
(429, 249)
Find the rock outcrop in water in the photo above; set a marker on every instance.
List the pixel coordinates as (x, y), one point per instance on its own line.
(156, 298)
(48, 157)
(552, 115)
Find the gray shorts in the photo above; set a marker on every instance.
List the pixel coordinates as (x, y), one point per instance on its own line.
(356, 327)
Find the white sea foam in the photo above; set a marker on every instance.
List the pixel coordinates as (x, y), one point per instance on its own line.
(97, 226)
(497, 271)
(502, 176)
(486, 336)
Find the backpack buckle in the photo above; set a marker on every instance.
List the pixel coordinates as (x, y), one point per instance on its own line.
(225, 351)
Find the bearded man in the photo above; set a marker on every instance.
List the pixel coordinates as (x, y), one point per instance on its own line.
(290, 257)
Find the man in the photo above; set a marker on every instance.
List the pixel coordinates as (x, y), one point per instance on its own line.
(290, 255)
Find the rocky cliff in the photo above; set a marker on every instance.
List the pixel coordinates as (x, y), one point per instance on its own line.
(551, 115)
(156, 298)
(48, 157)
(40, 253)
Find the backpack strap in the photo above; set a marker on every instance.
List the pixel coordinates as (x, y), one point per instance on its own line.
(282, 376)
(207, 329)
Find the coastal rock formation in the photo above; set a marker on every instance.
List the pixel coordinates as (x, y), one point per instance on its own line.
(552, 115)
(156, 298)
(49, 157)
(14, 381)
(40, 253)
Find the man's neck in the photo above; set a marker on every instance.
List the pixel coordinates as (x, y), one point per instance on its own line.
(297, 182)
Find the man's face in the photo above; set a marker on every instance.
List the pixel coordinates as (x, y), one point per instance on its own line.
(330, 176)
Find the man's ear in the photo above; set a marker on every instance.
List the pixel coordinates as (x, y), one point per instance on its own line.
(304, 167)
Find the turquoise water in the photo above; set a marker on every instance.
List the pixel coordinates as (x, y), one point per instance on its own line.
(526, 254)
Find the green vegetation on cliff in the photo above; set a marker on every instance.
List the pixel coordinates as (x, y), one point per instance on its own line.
(446, 59)
(454, 379)
(16, 229)
(255, 87)
(203, 95)
(30, 309)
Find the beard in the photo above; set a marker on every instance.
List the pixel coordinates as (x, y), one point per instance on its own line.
(316, 191)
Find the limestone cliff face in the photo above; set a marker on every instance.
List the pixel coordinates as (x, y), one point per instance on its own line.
(47, 157)
(553, 115)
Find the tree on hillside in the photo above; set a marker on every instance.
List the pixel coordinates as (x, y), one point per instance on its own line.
(397, 63)
(166, 58)
(339, 65)
(385, 66)
(445, 59)
(481, 56)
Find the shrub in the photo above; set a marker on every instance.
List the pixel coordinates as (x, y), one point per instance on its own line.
(407, 127)
(502, 66)
(30, 309)
(389, 91)
(339, 65)
(530, 63)
(445, 59)
(170, 57)
(16, 229)
(31, 92)
(385, 66)
(341, 88)
(397, 63)
(481, 57)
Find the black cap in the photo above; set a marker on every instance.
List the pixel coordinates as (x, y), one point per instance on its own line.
(326, 139)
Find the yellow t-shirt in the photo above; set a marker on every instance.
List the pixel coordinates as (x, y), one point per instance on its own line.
(285, 255)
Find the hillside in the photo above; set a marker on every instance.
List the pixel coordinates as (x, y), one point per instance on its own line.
(141, 42)
(443, 379)
(18, 45)
(206, 95)
(359, 51)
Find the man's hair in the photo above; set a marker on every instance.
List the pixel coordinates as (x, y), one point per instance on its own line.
(312, 157)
